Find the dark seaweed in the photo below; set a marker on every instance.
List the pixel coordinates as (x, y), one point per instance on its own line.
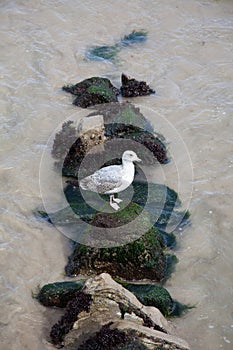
(80, 303)
(112, 339)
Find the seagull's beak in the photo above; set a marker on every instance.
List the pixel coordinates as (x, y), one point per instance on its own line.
(138, 160)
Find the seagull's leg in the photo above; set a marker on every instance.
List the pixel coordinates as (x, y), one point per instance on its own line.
(113, 205)
(117, 200)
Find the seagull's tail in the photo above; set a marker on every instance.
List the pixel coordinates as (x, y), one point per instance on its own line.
(84, 184)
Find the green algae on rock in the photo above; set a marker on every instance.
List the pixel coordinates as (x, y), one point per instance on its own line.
(103, 52)
(152, 295)
(92, 91)
(121, 217)
(143, 258)
(93, 320)
(157, 296)
(59, 293)
(136, 36)
(165, 202)
(123, 113)
(109, 52)
(121, 121)
(162, 206)
(155, 149)
(125, 121)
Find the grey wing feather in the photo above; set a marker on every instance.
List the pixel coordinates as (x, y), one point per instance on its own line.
(103, 180)
(110, 174)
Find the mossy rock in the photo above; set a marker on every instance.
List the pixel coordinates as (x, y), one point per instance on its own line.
(121, 121)
(143, 258)
(92, 91)
(125, 121)
(163, 204)
(157, 296)
(152, 295)
(59, 293)
(121, 217)
(153, 150)
(123, 113)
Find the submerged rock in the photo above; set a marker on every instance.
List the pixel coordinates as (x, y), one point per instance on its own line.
(103, 52)
(136, 36)
(93, 91)
(133, 88)
(162, 207)
(162, 203)
(109, 52)
(59, 293)
(100, 318)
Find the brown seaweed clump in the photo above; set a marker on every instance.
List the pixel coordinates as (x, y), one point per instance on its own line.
(133, 88)
(113, 339)
(63, 139)
(80, 303)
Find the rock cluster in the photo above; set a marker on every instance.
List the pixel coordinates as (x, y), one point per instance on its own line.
(99, 312)
(104, 315)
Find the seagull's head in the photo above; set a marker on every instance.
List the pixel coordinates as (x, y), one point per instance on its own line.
(130, 156)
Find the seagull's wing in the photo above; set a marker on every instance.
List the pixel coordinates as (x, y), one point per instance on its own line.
(111, 173)
(103, 180)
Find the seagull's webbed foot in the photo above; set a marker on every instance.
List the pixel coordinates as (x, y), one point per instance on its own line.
(115, 206)
(117, 200)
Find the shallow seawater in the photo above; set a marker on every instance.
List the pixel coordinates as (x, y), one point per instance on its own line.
(187, 59)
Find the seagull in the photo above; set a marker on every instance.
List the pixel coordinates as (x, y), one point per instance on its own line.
(112, 179)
